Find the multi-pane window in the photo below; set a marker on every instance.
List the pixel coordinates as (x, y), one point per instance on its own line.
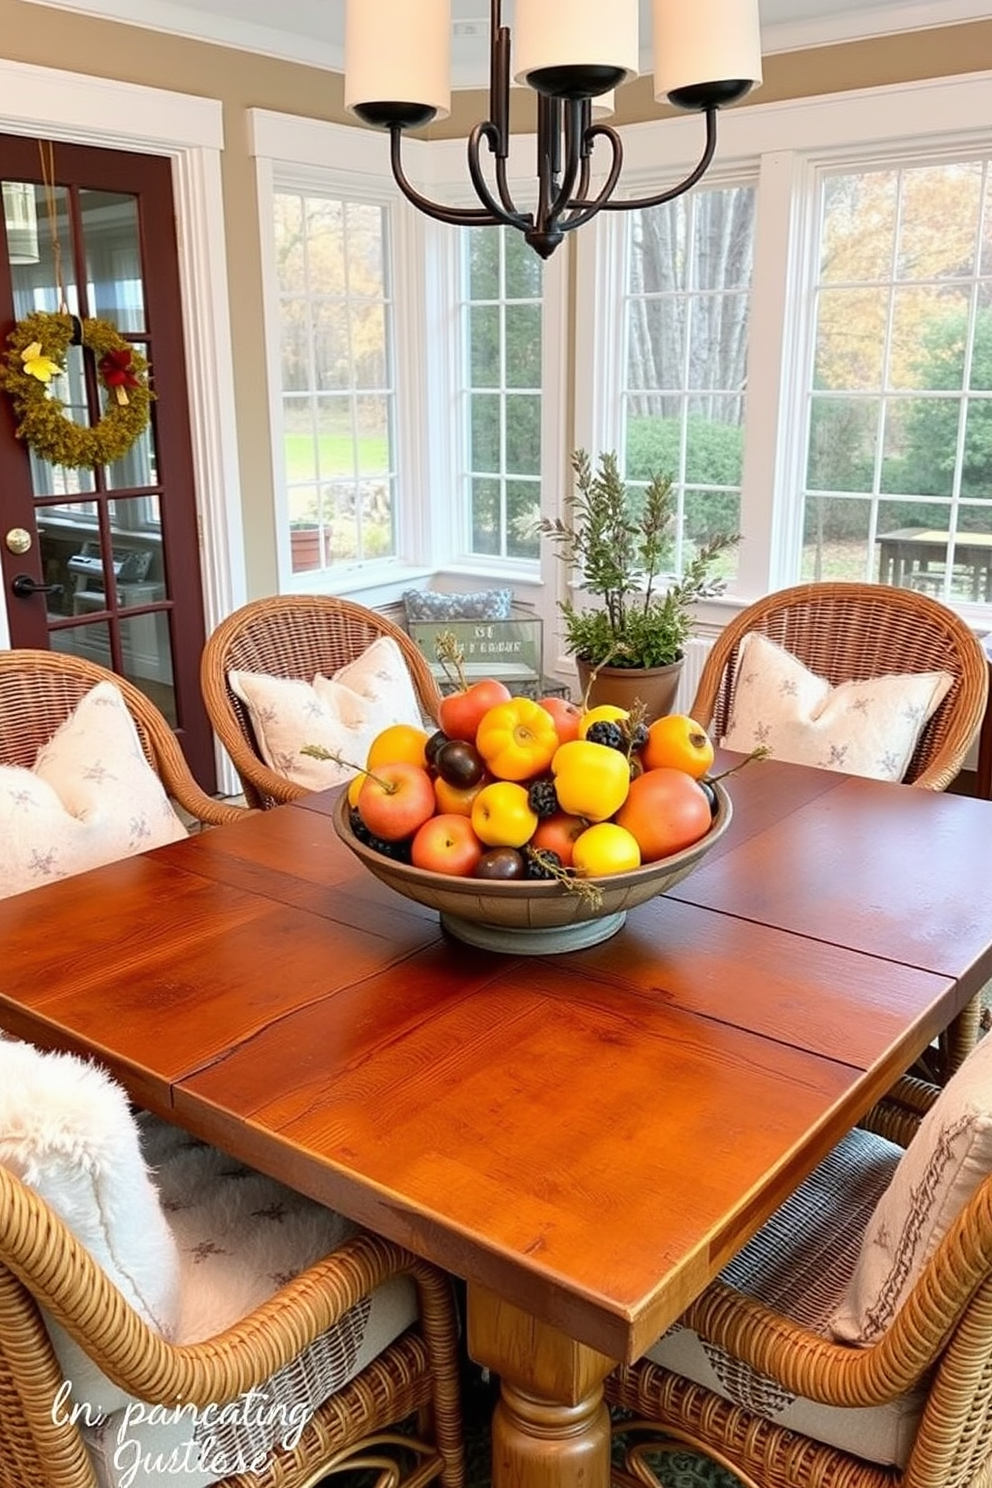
(687, 302)
(899, 453)
(338, 396)
(501, 312)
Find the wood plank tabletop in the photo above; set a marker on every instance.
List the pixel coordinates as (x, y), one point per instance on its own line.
(591, 1134)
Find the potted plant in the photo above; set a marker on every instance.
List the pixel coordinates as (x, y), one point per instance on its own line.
(619, 543)
(310, 544)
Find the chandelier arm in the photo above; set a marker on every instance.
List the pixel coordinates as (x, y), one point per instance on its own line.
(634, 204)
(453, 216)
(583, 210)
(506, 213)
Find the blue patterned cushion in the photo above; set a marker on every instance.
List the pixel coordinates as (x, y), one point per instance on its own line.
(485, 604)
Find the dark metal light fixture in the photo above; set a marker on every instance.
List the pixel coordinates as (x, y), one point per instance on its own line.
(707, 53)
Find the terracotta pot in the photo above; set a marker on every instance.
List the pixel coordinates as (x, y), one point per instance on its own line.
(305, 548)
(656, 687)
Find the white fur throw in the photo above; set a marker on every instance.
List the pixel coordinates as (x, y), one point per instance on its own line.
(66, 1130)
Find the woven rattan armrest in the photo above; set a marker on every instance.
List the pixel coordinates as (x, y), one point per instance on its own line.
(839, 1374)
(80, 1295)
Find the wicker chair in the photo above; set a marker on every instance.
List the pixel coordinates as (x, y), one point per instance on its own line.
(362, 1422)
(292, 636)
(939, 1342)
(38, 691)
(848, 632)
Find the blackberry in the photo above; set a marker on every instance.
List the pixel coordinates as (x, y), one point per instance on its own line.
(542, 798)
(639, 736)
(605, 731)
(541, 863)
(358, 827)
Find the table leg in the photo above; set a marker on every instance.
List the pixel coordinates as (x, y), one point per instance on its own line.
(551, 1428)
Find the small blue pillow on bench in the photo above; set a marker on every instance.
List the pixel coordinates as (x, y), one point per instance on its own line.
(485, 604)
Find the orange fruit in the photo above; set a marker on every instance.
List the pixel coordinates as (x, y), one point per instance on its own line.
(678, 742)
(399, 743)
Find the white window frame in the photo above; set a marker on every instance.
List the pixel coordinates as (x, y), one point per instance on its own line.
(431, 527)
(849, 130)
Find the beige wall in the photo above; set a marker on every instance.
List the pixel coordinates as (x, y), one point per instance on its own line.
(55, 38)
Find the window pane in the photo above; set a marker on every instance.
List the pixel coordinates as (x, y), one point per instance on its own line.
(939, 221)
(714, 442)
(687, 321)
(904, 338)
(485, 433)
(523, 346)
(485, 516)
(523, 434)
(859, 225)
(502, 331)
(523, 508)
(841, 452)
(929, 339)
(338, 397)
(483, 259)
(484, 335)
(850, 338)
(835, 539)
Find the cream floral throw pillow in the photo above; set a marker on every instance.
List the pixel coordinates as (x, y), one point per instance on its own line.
(91, 798)
(943, 1166)
(859, 728)
(343, 713)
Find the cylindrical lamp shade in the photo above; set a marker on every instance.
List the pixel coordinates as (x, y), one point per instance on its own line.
(604, 106)
(705, 41)
(398, 51)
(552, 36)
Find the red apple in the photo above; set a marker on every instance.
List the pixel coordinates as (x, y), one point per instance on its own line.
(395, 800)
(557, 834)
(446, 844)
(460, 713)
(566, 715)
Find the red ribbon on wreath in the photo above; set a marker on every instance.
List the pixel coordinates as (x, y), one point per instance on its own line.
(115, 367)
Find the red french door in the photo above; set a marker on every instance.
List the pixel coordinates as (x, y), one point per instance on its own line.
(104, 562)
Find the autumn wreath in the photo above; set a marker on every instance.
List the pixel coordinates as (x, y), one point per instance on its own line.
(37, 352)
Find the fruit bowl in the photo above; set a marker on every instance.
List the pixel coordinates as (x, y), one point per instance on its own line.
(533, 917)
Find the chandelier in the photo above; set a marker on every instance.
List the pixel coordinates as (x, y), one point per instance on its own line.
(707, 54)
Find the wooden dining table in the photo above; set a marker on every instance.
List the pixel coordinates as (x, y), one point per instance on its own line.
(584, 1138)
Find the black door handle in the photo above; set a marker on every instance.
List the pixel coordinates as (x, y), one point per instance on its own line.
(23, 585)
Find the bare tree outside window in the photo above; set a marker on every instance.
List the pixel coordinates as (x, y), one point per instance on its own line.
(687, 318)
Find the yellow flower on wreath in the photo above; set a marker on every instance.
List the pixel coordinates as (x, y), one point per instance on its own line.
(41, 342)
(36, 364)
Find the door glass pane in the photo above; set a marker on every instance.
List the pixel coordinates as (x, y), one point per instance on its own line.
(92, 642)
(33, 271)
(147, 658)
(113, 258)
(70, 554)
